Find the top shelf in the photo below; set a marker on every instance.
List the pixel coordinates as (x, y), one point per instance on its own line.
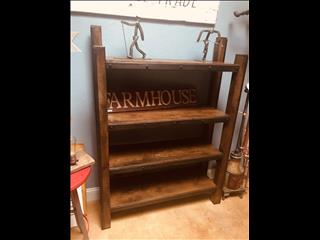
(157, 64)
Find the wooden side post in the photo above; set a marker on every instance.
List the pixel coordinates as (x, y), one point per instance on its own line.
(219, 53)
(228, 127)
(96, 36)
(100, 92)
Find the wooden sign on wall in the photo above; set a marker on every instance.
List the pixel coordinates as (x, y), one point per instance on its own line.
(120, 101)
(204, 12)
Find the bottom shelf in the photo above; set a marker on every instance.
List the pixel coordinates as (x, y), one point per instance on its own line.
(147, 189)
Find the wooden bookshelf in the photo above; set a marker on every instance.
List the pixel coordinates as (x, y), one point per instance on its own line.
(149, 156)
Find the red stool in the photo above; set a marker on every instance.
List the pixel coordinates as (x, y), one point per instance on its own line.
(76, 180)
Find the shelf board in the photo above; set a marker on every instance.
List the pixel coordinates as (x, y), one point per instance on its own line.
(144, 190)
(141, 157)
(205, 114)
(157, 64)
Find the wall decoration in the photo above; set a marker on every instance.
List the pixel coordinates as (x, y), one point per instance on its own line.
(121, 101)
(172, 10)
(206, 40)
(137, 27)
(73, 47)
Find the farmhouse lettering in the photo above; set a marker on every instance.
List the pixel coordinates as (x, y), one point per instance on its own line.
(135, 100)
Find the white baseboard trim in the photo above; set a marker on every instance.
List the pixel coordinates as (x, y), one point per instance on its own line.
(93, 194)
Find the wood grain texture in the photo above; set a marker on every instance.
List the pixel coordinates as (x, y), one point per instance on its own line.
(125, 63)
(160, 155)
(166, 115)
(228, 128)
(156, 133)
(149, 189)
(84, 160)
(96, 36)
(100, 93)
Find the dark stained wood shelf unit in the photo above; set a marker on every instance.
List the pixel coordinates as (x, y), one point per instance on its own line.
(159, 155)
(149, 156)
(157, 64)
(118, 119)
(148, 189)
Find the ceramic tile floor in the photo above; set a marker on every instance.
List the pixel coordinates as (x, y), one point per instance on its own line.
(197, 218)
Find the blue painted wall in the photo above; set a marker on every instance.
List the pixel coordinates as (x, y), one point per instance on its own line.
(162, 40)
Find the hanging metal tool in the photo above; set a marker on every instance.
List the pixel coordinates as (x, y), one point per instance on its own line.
(238, 14)
(245, 146)
(243, 120)
(206, 40)
(137, 27)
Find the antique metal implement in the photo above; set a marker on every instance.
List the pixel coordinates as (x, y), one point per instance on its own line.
(206, 40)
(238, 14)
(137, 27)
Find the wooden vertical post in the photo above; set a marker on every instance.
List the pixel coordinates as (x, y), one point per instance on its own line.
(96, 36)
(219, 53)
(228, 127)
(100, 92)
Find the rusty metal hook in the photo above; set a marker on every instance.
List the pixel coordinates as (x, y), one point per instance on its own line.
(206, 40)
